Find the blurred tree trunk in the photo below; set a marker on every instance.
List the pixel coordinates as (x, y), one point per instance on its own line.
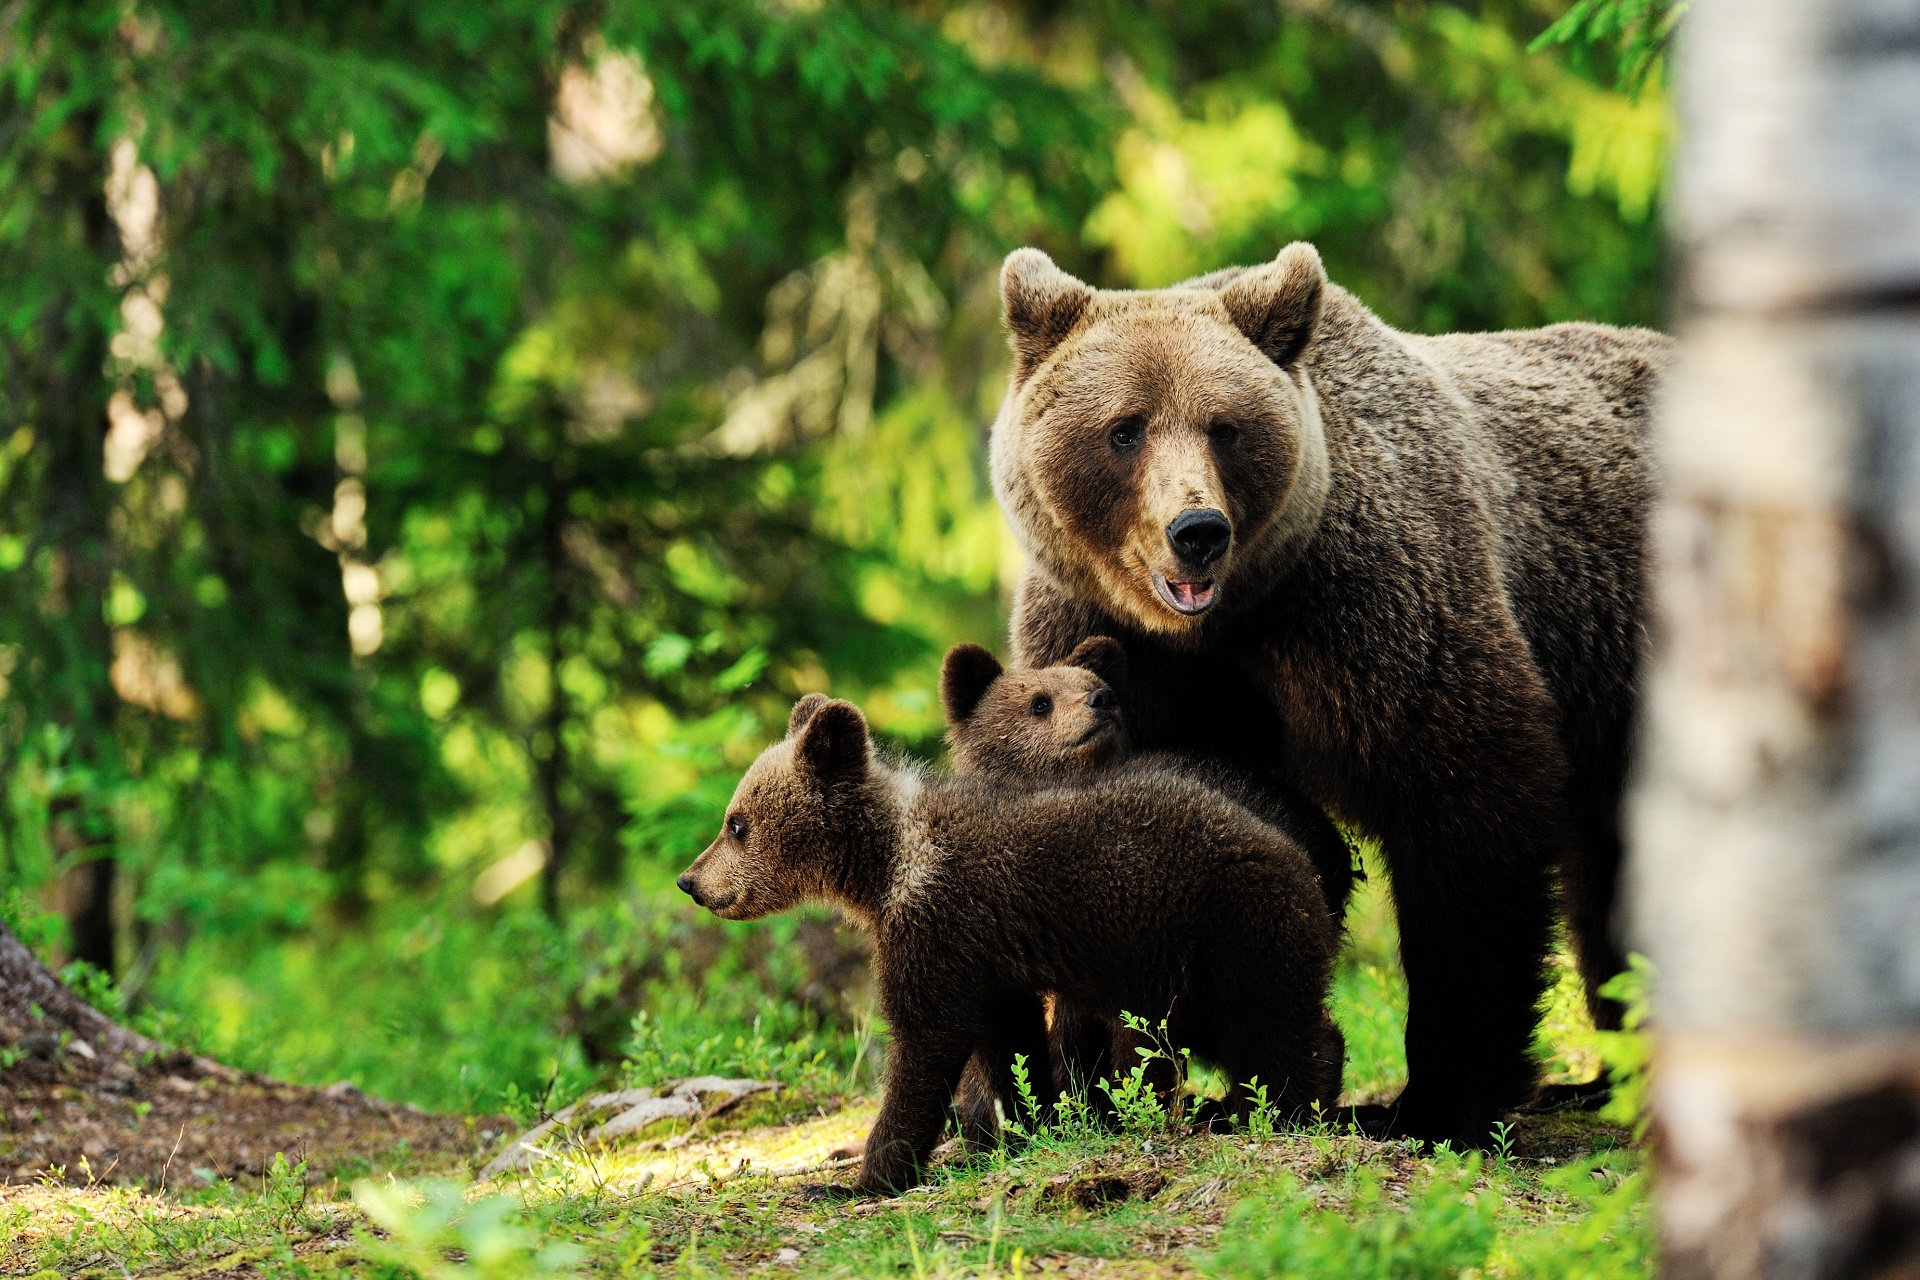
(76, 525)
(1776, 821)
(553, 768)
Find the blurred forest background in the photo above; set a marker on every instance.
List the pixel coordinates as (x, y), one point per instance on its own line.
(439, 440)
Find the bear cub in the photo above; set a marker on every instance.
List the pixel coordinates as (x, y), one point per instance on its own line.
(1153, 895)
(1063, 725)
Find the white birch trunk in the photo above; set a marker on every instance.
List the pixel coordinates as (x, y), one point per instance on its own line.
(1776, 815)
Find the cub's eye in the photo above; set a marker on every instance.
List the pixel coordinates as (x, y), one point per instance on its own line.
(1126, 434)
(737, 827)
(1041, 705)
(1223, 433)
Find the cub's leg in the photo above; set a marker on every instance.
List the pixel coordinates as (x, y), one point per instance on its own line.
(973, 1104)
(922, 1073)
(1268, 1022)
(1080, 1046)
(1016, 1024)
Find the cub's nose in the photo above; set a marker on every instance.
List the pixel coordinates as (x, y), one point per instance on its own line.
(1103, 700)
(685, 885)
(1200, 537)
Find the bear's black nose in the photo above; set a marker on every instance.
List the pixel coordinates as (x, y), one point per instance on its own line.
(1199, 537)
(685, 885)
(1102, 700)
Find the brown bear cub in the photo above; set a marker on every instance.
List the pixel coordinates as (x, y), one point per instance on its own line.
(1064, 725)
(1153, 895)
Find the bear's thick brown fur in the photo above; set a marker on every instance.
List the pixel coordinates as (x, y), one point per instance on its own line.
(1066, 725)
(1155, 897)
(1405, 573)
(1063, 724)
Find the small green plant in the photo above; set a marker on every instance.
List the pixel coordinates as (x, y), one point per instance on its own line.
(1136, 1098)
(283, 1194)
(1503, 1141)
(427, 1221)
(1261, 1121)
(1628, 1052)
(92, 984)
(1029, 1105)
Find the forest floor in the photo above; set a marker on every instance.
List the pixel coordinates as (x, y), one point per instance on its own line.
(173, 1173)
(182, 1121)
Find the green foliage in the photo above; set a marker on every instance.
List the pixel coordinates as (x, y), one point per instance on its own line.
(1456, 1220)
(425, 1222)
(1261, 1118)
(1137, 1102)
(1445, 1229)
(1639, 29)
(405, 544)
(1628, 1052)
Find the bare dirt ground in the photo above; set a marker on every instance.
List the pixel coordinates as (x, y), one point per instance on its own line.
(184, 1121)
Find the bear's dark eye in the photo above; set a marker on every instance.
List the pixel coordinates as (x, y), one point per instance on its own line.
(737, 827)
(1223, 432)
(1041, 705)
(1126, 434)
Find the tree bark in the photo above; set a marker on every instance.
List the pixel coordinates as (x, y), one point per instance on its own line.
(1776, 815)
(26, 985)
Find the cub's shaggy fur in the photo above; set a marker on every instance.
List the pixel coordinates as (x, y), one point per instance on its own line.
(1405, 572)
(1154, 896)
(1062, 725)
(1051, 726)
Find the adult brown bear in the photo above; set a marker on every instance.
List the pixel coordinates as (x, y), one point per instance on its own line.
(1404, 572)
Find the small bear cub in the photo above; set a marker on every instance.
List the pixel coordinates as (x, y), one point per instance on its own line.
(1043, 726)
(1155, 895)
(1064, 725)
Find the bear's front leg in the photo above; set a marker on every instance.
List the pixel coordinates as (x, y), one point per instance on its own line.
(922, 1073)
(1471, 861)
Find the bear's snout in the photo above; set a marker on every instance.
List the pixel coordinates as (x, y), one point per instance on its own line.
(1200, 537)
(701, 889)
(1103, 700)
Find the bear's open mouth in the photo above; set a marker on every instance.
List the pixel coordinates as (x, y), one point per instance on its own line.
(1189, 598)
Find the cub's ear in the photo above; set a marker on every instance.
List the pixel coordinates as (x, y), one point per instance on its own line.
(833, 741)
(1278, 306)
(1103, 656)
(965, 677)
(1042, 305)
(803, 711)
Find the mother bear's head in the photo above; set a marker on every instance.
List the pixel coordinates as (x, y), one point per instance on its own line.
(1156, 448)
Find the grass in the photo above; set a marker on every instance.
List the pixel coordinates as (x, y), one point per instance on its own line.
(1564, 1202)
(1562, 1196)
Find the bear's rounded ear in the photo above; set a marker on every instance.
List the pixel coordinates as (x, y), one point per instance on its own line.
(1042, 304)
(1103, 656)
(965, 677)
(803, 711)
(833, 741)
(1278, 306)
